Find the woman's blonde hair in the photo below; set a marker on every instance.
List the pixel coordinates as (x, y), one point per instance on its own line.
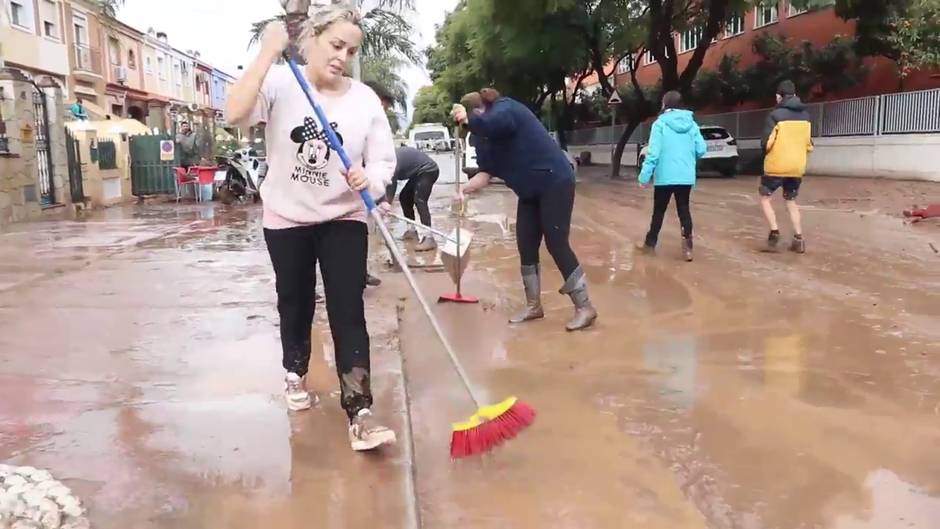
(320, 18)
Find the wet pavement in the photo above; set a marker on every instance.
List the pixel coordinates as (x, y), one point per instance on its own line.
(140, 364)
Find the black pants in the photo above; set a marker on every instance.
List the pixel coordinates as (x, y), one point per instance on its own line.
(416, 194)
(340, 247)
(548, 217)
(661, 197)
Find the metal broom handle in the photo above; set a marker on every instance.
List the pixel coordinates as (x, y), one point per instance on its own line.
(370, 205)
(458, 160)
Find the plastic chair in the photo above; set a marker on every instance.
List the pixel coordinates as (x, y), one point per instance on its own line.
(184, 178)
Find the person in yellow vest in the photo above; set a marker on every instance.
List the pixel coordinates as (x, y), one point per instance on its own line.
(786, 143)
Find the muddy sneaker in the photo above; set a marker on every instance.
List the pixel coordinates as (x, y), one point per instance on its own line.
(372, 281)
(410, 234)
(798, 245)
(365, 434)
(427, 244)
(687, 249)
(773, 240)
(296, 394)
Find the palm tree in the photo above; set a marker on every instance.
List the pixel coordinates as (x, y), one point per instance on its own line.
(384, 71)
(386, 32)
(108, 8)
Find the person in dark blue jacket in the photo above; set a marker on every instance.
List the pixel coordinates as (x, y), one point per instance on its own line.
(513, 145)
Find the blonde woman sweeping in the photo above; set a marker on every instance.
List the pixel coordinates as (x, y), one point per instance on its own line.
(312, 211)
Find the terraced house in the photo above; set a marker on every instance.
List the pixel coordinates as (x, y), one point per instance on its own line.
(54, 53)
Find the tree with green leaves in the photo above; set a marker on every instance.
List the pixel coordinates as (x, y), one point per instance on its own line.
(916, 37)
(432, 105)
(386, 48)
(904, 31)
(385, 29)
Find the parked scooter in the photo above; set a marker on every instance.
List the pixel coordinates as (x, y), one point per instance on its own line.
(239, 177)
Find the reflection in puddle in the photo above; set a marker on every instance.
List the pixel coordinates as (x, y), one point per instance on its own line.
(894, 503)
(784, 363)
(677, 360)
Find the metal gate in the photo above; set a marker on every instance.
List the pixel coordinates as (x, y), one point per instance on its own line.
(44, 166)
(150, 175)
(74, 155)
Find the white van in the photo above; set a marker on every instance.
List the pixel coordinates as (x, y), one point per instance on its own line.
(430, 137)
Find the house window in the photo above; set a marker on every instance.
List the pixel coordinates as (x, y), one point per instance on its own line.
(766, 13)
(734, 25)
(114, 51)
(624, 65)
(176, 74)
(80, 27)
(793, 10)
(131, 60)
(50, 19)
(690, 38)
(148, 64)
(21, 14)
(161, 67)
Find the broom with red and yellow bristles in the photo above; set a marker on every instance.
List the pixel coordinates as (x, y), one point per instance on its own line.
(490, 426)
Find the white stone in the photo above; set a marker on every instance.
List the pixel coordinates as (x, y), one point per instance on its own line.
(59, 492)
(18, 490)
(73, 509)
(14, 480)
(25, 524)
(26, 471)
(46, 486)
(19, 509)
(77, 523)
(41, 476)
(33, 497)
(50, 517)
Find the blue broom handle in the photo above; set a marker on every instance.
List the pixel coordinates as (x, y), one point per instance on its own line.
(325, 123)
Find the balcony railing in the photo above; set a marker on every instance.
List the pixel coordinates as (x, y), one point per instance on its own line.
(87, 59)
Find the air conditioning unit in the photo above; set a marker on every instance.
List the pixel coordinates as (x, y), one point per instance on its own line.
(120, 74)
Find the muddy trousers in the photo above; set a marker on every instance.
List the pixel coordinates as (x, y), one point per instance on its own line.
(547, 217)
(416, 194)
(661, 197)
(340, 248)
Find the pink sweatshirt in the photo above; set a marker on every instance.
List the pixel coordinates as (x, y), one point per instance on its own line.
(304, 184)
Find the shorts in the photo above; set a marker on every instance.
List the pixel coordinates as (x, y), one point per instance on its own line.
(790, 184)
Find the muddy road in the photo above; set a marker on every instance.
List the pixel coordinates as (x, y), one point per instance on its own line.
(139, 362)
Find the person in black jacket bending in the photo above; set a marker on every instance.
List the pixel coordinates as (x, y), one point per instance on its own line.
(513, 145)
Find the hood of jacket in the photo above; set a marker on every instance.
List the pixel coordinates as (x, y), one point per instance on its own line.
(680, 121)
(793, 103)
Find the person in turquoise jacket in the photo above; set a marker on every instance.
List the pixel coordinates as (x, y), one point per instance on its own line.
(676, 144)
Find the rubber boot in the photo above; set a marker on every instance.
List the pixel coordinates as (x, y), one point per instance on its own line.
(411, 234)
(531, 281)
(584, 313)
(687, 249)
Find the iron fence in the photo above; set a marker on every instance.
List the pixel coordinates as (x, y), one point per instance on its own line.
(904, 113)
